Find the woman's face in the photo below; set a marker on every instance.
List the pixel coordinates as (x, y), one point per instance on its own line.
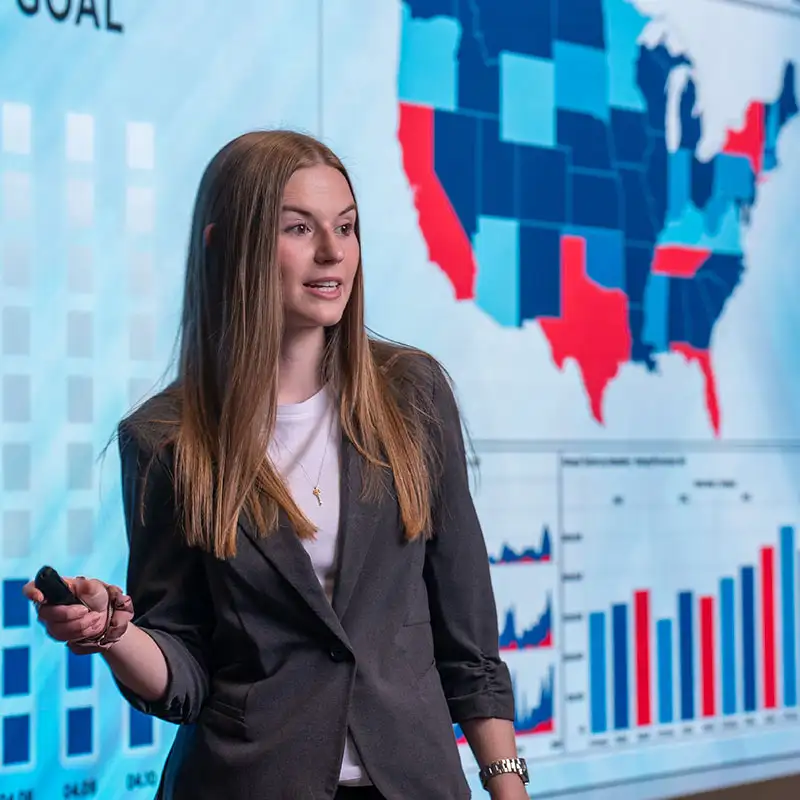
(318, 251)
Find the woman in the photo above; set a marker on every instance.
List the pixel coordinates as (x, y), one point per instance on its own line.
(309, 592)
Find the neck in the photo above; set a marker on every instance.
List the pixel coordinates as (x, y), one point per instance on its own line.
(301, 359)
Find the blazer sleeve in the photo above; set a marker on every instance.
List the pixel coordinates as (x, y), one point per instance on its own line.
(475, 680)
(166, 581)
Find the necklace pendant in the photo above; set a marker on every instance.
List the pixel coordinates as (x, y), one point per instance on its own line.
(318, 494)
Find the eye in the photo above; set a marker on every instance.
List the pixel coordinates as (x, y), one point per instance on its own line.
(346, 229)
(299, 228)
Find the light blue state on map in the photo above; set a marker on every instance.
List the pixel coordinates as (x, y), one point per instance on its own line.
(718, 232)
(496, 246)
(734, 183)
(656, 305)
(733, 178)
(527, 100)
(772, 125)
(581, 79)
(428, 50)
(623, 26)
(680, 176)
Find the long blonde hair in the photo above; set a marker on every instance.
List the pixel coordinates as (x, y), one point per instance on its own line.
(230, 339)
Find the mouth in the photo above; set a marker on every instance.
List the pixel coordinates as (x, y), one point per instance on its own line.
(325, 287)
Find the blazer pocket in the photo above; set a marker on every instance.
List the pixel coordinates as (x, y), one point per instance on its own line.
(220, 706)
(225, 712)
(416, 643)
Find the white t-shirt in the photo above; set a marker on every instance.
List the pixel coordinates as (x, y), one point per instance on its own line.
(306, 449)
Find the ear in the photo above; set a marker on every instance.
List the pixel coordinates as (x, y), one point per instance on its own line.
(207, 234)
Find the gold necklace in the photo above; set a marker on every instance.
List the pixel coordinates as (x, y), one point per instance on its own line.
(316, 491)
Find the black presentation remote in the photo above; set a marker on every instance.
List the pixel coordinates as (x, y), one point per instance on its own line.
(55, 590)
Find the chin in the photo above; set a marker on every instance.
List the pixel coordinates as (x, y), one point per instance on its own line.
(307, 312)
(326, 319)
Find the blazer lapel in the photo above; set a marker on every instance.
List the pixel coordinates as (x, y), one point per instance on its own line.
(356, 527)
(286, 553)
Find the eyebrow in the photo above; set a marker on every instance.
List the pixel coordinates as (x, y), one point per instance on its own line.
(305, 213)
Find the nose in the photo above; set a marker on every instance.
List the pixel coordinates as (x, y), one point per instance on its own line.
(329, 249)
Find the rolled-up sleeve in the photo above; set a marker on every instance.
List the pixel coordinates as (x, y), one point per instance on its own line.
(166, 581)
(475, 680)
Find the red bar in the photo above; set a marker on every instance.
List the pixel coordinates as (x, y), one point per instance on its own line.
(707, 655)
(768, 611)
(641, 610)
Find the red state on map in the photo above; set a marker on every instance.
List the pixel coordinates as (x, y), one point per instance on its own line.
(678, 261)
(593, 327)
(749, 140)
(703, 359)
(448, 243)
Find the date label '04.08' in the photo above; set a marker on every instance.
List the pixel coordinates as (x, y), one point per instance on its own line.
(87, 788)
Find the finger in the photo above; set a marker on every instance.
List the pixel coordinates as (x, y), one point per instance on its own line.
(57, 614)
(32, 593)
(65, 631)
(92, 592)
(119, 622)
(122, 611)
(89, 626)
(120, 601)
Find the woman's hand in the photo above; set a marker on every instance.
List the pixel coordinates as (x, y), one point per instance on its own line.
(96, 625)
(98, 622)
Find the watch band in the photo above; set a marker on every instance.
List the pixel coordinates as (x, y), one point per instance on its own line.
(504, 766)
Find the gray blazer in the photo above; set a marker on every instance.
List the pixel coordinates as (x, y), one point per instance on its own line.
(266, 675)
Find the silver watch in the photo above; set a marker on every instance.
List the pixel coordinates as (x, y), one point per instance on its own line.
(503, 766)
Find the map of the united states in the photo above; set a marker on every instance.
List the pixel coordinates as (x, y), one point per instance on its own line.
(553, 162)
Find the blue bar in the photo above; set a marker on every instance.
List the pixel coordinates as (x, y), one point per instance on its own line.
(664, 645)
(619, 626)
(748, 638)
(79, 671)
(16, 607)
(728, 644)
(686, 651)
(597, 671)
(16, 740)
(141, 729)
(79, 731)
(788, 615)
(16, 671)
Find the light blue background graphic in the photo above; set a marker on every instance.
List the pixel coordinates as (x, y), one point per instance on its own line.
(103, 137)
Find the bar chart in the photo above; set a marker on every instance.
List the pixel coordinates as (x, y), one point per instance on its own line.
(681, 582)
(717, 624)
